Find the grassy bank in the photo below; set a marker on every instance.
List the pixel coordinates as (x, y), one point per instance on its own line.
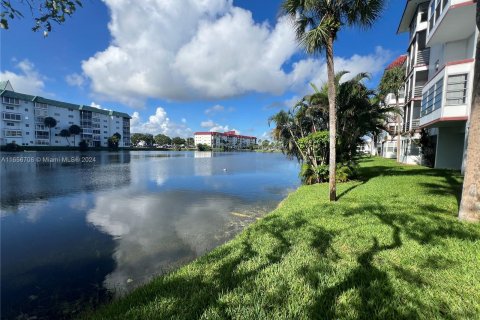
(390, 248)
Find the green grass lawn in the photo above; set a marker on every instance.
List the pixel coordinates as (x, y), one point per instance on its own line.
(390, 248)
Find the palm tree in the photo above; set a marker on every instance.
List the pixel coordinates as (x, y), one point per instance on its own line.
(50, 123)
(65, 133)
(359, 114)
(317, 23)
(393, 81)
(74, 130)
(470, 203)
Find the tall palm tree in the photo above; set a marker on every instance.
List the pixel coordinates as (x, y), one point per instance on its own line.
(50, 123)
(317, 23)
(359, 114)
(393, 81)
(74, 130)
(470, 203)
(65, 133)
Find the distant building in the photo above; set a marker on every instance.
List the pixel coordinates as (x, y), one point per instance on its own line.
(227, 139)
(408, 126)
(23, 118)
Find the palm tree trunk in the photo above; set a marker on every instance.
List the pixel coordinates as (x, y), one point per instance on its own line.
(470, 203)
(399, 120)
(332, 122)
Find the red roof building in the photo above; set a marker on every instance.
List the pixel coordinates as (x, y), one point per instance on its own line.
(397, 62)
(226, 139)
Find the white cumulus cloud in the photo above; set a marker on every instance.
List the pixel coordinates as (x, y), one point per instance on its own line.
(208, 49)
(215, 109)
(75, 79)
(158, 123)
(28, 80)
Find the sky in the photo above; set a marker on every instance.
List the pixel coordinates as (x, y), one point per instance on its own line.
(182, 66)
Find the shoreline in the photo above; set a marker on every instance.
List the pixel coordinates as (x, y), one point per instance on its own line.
(363, 256)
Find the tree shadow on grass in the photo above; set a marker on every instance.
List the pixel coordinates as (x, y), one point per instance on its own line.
(377, 298)
(373, 286)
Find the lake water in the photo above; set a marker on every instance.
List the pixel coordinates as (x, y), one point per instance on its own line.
(76, 231)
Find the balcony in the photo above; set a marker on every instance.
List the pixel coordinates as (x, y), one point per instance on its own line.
(417, 92)
(415, 123)
(451, 20)
(446, 97)
(391, 101)
(423, 57)
(9, 116)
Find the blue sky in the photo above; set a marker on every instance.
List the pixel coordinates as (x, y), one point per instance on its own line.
(186, 65)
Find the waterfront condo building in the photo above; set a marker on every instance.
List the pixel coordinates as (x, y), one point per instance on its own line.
(227, 139)
(440, 66)
(23, 123)
(387, 140)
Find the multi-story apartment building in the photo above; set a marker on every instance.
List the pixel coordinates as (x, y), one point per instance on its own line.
(414, 21)
(23, 118)
(227, 139)
(387, 141)
(440, 73)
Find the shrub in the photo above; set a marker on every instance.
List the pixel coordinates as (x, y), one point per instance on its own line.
(12, 147)
(203, 147)
(83, 145)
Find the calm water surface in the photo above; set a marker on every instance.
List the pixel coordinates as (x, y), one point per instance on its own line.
(75, 234)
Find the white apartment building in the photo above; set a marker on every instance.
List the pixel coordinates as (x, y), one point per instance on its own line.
(414, 21)
(227, 139)
(387, 141)
(445, 74)
(23, 118)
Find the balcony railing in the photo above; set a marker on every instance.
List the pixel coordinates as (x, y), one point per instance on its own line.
(415, 123)
(423, 56)
(417, 92)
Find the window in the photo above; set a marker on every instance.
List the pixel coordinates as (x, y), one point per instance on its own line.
(12, 116)
(71, 122)
(437, 99)
(13, 133)
(56, 114)
(40, 127)
(105, 132)
(456, 90)
(105, 127)
(27, 133)
(10, 108)
(105, 121)
(423, 16)
(41, 105)
(41, 134)
(437, 10)
(70, 115)
(10, 100)
(26, 109)
(432, 99)
(27, 125)
(437, 7)
(431, 21)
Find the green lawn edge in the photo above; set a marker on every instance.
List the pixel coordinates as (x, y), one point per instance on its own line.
(390, 248)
